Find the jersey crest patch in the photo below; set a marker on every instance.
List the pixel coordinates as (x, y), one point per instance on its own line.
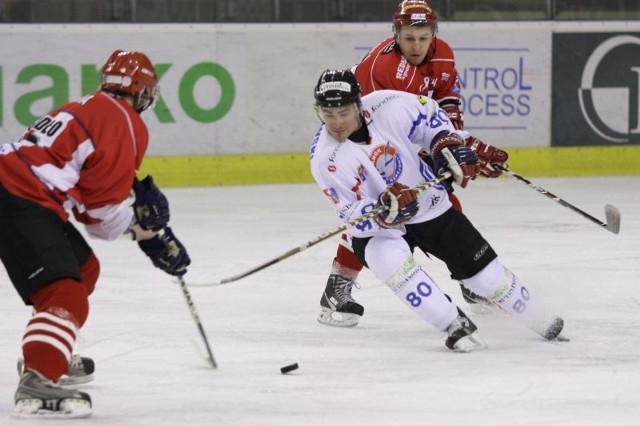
(332, 195)
(388, 163)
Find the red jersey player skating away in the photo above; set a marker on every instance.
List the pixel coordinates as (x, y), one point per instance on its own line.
(413, 60)
(81, 157)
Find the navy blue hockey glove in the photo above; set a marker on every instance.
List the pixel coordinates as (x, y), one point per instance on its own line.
(424, 156)
(167, 252)
(450, 153)
(402, 202)
(151, 207)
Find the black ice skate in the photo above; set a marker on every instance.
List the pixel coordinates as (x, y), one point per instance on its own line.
(337, 306)
(38, 397)
(477, 303)
(462, 335)
(81, 370)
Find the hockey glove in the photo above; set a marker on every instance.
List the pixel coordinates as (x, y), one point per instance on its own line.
(449, 153)
(402, 202)
(455, 116)
(426, 157)
(487, 155)
(166, 252)
(151, 207)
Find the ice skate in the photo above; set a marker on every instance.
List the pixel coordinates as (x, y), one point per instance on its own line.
(462, 335)
(81, 370)
(337, 306)
(38, 397)
(478, 304)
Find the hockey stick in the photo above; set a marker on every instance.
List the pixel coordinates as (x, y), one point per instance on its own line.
(418, 188)
(611, 213)
(196, 318)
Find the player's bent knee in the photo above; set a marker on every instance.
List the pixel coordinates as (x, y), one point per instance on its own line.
(90, 271)
(65, 298)
(488, 281)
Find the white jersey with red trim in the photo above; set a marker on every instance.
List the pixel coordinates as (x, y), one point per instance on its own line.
(83, 157)
(352, 175)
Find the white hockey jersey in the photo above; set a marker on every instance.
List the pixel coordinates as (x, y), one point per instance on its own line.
(353, 175)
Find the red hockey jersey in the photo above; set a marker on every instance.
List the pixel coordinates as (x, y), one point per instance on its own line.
(82, 157)
(384, 67)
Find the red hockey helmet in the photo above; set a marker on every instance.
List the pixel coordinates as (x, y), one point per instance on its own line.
(414, 12)
(131, 73)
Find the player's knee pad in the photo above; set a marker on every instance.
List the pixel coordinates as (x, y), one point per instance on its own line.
(490, 281)
(90, 271)
(386, 255)
(66, 298)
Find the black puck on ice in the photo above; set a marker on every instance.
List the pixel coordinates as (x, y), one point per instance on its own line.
(288, 368)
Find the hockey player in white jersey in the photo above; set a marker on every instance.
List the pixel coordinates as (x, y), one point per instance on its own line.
(364, 156)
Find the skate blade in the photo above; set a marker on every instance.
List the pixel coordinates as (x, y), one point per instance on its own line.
(470, 343)
(337, 319)
(65, 380)
(69, 408)
(485, 308)
(75, 380)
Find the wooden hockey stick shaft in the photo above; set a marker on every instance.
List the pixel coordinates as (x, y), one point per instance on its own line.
(612, 214)
(196, 318)
(322, 237)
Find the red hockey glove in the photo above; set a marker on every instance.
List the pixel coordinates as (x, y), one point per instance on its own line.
(487, 155)
(402, 202)
(455, 116)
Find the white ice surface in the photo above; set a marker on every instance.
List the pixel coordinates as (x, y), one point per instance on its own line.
(392, 369)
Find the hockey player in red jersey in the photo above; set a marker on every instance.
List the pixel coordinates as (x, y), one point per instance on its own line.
(413, 60)
(81, 158)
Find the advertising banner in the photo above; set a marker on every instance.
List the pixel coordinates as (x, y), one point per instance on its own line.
(596, 89)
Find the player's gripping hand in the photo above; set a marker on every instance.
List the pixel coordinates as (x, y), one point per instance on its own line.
(487, 155)
(402, 202)
(455, 116)
(167, 252)
(450, 153)
(151, 207)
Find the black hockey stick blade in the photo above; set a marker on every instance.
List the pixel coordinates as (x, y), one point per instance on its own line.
(613, 218)
(611, 213)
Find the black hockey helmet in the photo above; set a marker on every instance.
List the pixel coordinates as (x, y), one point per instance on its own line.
(337, 88)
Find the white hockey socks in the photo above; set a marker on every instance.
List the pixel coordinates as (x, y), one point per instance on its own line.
(499, 285)
(422, 295)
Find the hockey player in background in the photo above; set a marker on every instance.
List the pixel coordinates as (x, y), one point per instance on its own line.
(363, 157)
(81, 157)
(413, 60)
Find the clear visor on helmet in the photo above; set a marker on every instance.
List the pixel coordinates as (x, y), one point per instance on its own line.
(146, 98)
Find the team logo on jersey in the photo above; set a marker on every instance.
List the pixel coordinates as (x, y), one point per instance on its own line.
(332, 195)
(388, 163)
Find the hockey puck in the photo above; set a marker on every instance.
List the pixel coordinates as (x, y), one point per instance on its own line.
(288, 368)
